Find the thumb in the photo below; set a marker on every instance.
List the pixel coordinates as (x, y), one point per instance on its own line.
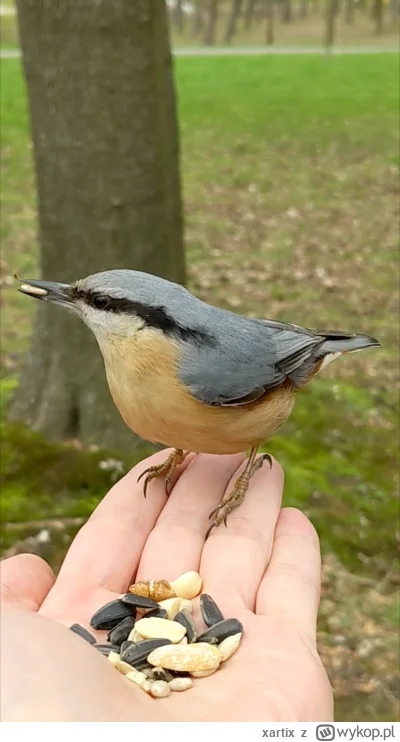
(25, 581)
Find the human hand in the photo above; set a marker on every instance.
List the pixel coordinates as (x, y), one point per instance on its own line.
(263, 569)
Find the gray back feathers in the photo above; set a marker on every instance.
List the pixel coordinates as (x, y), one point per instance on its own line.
(225, 356)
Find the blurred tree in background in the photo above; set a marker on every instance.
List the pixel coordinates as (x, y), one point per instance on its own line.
(105, 142)
(215, 22)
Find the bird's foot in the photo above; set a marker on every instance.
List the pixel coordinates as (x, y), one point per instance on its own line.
(165, 470)
(236, 497)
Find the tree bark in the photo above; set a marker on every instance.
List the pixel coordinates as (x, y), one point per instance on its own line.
(102, 109)
(331, 11)
(249, 14)
(269, 15)
(303, 9)
(232, 22)
(349, 12)
(211, 26)
(286, 11)
(179, 16)
(198, 22)
(394, 10)
(377, 10)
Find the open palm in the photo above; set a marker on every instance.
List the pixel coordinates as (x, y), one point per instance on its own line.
(263, 569)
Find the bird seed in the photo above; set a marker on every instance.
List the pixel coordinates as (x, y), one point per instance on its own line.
(162, 648)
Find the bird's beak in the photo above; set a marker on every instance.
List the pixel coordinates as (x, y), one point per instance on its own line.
(57, 293)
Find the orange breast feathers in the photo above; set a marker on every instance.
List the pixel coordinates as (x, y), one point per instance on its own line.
(143, 380)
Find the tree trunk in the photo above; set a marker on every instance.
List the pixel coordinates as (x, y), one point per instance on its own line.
(102, 109)
(269, 15)
(349, 12)
(286, 11)
(303, 9)
(377, 10)
(395, 10)
(314, 7)
(331, 11)
(178, 15)
(211, 26)
(249, 14)
(232, 22)
(198, 22)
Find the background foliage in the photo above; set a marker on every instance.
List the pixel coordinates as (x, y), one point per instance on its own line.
(290, 180)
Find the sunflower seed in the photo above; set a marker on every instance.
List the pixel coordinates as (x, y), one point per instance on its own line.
(138, 601)
(209, 610)
(186, 658)
(221, 630)
(179, 684)
(187, 585)
(229, 646)
(159, 673)
(154, 628)
(106, 648)
(136, 654)
(156, 613)
(121, 631)
(84, 633)
(185, 618)
(110, 615)
(160, 689)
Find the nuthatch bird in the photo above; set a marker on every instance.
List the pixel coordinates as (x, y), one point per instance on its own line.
(192, 376)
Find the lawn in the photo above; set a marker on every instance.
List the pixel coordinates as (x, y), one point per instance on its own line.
(290, 176)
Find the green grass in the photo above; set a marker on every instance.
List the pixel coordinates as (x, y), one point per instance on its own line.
(290, 175)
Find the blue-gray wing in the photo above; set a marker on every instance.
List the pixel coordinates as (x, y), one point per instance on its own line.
(247, 359)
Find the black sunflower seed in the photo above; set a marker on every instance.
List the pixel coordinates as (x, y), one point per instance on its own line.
(110, 615)
(84, 633)
(156, 613)
(209, 610)
(136, 653)
(186, 620)
(220, 631)
(138, 601)
(121, 631)
(106, 648)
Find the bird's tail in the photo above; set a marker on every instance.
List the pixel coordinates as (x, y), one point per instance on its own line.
(336, 344)
(340, 342)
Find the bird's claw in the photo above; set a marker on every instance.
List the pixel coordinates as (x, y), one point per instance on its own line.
(236, 497)
(166, 470)
(265, 457)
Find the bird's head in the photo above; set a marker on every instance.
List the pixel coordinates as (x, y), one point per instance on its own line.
(115, 302)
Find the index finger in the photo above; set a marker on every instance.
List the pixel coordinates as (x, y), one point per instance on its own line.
(107, 549)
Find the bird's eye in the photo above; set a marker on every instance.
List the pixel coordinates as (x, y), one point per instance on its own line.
(101, 302)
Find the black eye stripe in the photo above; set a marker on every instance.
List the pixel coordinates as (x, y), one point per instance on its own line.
(155, 317)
